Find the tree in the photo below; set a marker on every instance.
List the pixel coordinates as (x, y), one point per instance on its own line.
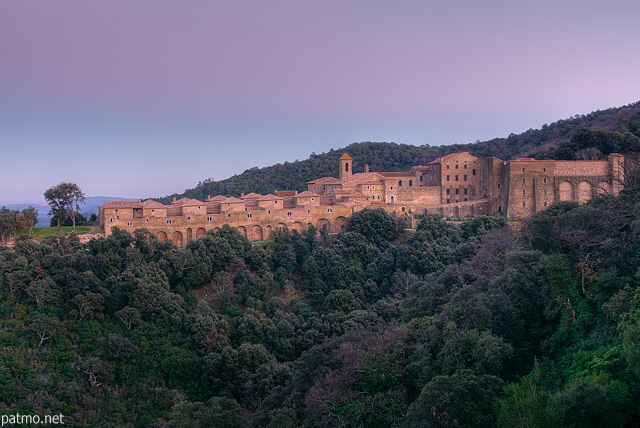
(7, 221)
(64, 199)
(30, 218)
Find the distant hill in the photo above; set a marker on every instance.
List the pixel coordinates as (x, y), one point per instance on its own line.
(380, 156)
(90, 206)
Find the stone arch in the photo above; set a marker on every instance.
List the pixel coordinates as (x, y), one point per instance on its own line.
(200, 232)
(297, 226)
(281, 226)
(604, 188)
(565, 191)
(162, 236)
(242, 230)
(256, 233)
(267, 230)
(309, 225)
(189, 234)
(176, 238)
(585, 192)
(340, 221)
(322, 224)
(216, 229)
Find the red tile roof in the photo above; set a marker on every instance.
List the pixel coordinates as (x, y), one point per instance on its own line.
(122, 204)
(286, 193)
(252, 196)
(346, 157)
(271, 197)
(150, 203)
(321, 180)
(307, 194)
(232, 200)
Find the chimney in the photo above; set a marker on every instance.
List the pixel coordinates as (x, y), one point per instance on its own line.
(174, 199)
(366, 167)
(242, 195)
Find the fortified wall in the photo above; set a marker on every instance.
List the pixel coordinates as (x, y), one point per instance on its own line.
(457, 185)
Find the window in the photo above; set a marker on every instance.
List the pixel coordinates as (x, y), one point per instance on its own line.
(448, 200)
(448, 191)
(456, 178)
(524, 180)
(544, 169)
(402, 208)
(229, 215)
(308, 211)
(117, 217)
(544, 180)
(465, 166)
(129, 223)
(524, 204)
(209, 219)
(499, 208)
(465, 191)
(110, 220)
(524, 192)
(169, 221)
(447, 166)
(313, 199)
(147, 220)
(329, 210)
(393, 199)
(457, 191)
(410, 183)
(249, 215)
(378, 196)
(391, 188)
(545, 203)
(545, 192)
(346, 167)
(367, 187)
(188, 218)
(473, 171)
(289, 213)
(522, 169)
(447, 177)
(400, 183)
(116, 210)
(268, 211)
(465, 177)
(457, 166)
(465, 199)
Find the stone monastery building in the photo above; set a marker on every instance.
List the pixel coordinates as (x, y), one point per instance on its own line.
(456, 185)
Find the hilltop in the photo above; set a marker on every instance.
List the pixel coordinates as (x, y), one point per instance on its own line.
(382, 156)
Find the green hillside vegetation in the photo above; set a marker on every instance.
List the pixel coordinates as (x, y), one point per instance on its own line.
(453, 325)
(550, 142)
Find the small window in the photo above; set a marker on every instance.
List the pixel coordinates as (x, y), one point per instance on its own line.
(466, 191)
(544, 169)
(367, 187)
(545, 192)
(448, 200)
(410, 183)
(457, 191)
(465, 166)
(522, 169)
(117, 217)
(545, 203)
(308, 211)
(544, 180)
(456, 166)
(378, 196)
(288, 213)
(402, 208)
(499, 208)
(229, 215)
(391, 188)
(473, 171)
(447, 177)
(147, 220)
(110, 220)
(456, 178)
(400, 183)
(465, 177)
(448, 191)
(169, 221)
(116, 210)
(153, 211)
(313, 199)
(447, 166)
(329, 210)
(209, 219)
(465, 199)
(524, 204)
(188, 218)
(268, 211)
(129, 223)
(524, 180)
(524, 192)
(249, 215)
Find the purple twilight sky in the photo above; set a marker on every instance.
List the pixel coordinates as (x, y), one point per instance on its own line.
(146, 98)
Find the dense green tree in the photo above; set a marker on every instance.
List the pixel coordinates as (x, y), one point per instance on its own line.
(64, 199)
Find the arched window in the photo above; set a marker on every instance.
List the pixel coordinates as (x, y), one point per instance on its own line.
(346, 167)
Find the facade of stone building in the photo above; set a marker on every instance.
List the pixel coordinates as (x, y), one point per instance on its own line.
(456, 185)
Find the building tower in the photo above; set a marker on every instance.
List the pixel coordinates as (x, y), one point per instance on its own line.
(346, 163)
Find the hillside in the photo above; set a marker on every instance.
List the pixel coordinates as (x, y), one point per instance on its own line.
(397, 157)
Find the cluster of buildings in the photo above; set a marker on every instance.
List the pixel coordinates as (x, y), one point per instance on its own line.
(456, 185)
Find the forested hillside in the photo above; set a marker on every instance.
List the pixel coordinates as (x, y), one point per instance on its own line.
(471, 325)
(400, 157)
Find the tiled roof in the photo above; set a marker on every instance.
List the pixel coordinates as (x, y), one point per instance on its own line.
(286, 193)
(150, 203)
(321, 180)
(346, 157)
(180, 201)
(397, 174)
(122, 204)
(307, 194)
(217, 198)
(362, 175)
(232, 200)
(447, 157)
(252, 196)
(192, 202)
(271, 197)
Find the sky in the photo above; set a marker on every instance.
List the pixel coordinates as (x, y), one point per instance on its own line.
(147, 98)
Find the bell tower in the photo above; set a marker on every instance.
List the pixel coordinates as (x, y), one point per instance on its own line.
(346, 163)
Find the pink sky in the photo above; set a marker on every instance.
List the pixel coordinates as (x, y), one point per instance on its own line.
(154, 96)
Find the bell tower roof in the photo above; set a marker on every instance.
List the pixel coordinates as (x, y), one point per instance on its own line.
(346, 157)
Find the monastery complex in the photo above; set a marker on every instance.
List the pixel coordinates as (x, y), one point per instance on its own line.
(456, 185)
